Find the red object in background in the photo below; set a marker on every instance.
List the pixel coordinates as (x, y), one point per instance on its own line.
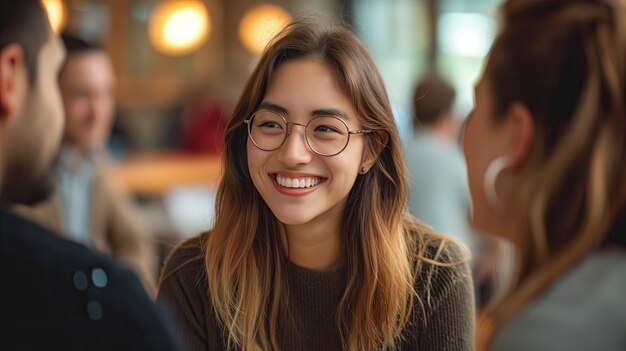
(203, 127)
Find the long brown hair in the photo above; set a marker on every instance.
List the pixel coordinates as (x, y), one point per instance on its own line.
(244, 259)
(566, 61)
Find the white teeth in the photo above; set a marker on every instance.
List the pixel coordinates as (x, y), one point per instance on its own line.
(297, 182)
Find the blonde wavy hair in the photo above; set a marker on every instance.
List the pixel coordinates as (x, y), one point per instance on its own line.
(383, 246)
(566, 61)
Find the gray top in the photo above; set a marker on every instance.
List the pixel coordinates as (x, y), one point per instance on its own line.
(439, 193)
(585, 310)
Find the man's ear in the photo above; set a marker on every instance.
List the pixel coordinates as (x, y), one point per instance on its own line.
(12, 78)
(377, 144)
(521, 134)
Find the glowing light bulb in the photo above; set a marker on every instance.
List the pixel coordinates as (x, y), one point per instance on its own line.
(260, 24)
(56, 14)
(179, 27)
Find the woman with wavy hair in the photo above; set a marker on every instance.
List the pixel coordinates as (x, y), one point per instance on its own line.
(312, 248)
(546, 154)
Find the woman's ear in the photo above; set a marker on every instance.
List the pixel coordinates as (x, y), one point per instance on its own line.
(521, 134)
(373, 148)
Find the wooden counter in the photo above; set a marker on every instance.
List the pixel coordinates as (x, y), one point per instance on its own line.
(153, 174)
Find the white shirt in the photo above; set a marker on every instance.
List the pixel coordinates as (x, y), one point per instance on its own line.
(75, 194)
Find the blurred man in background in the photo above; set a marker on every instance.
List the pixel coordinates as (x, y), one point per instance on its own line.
(56, 294)
(87, 205)
(439, 193)
(438, 189)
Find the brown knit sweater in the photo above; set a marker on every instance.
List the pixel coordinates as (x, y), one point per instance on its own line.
(447, 325)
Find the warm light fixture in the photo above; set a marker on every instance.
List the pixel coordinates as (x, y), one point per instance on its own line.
(178, 27)
(56, 13)
(260, 24)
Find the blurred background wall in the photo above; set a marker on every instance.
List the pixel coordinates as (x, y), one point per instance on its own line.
(405, 37)
(181, 62)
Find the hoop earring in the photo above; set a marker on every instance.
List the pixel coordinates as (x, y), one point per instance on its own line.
(489, 180)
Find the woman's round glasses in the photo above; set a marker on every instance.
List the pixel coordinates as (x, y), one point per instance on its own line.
(325, 135)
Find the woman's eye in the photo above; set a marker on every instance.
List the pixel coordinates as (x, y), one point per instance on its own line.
(325, 129)
(270, 124)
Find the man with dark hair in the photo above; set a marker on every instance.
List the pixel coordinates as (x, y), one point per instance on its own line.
(28, 164)
(432, 106)
(55, 294)
(438, 189)
(88, 206)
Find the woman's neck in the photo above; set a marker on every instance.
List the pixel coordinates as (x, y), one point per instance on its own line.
(313, 246)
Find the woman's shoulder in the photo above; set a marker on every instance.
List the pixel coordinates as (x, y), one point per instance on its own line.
(445, 264)
(433, 247)
(183, 290)
(587, 302)
(443, 261)
(444, 312)
(186, 259)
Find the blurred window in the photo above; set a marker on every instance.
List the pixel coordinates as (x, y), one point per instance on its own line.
(397, 34)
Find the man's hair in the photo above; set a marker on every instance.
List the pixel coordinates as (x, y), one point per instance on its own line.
(24, 22)
(75, 46)
(433, 98)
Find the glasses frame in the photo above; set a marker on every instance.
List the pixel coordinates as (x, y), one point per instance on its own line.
(306, 138)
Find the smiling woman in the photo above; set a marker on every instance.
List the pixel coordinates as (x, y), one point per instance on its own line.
(300, 87)
(313, 248)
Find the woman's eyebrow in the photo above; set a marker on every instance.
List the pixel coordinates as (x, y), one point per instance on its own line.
(330, 111)
(273, 107)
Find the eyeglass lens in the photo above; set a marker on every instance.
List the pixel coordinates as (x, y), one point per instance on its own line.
(326, 135)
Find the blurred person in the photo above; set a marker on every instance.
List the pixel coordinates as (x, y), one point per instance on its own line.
(88, 206)
(56, 294)
(313, 247)
(438, 190)
(438, 193)
(546, 154)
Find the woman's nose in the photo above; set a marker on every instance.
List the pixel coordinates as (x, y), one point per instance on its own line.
(295, 150)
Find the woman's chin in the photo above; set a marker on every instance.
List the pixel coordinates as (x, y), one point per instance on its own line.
(292, 218)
